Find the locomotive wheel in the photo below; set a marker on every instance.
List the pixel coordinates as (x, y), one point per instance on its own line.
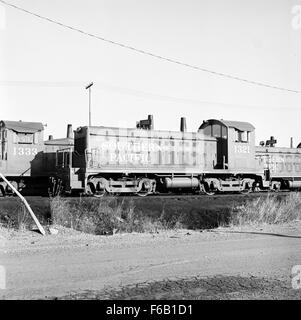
(246, 190)
(142, 193)
(100, 193)
(275, 187)
(206, 189)
(91, 191)
(145, 190)
(210, 193)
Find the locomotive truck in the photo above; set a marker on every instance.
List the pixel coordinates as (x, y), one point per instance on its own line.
(220, 156)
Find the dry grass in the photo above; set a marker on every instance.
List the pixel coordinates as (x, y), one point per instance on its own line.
(106, 216)
(109, 215)
(268, 210)
(17, 220)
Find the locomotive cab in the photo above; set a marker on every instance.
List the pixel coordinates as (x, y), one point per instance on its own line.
(20, 144)
(235, 143)
(216, 129)
(21, 147)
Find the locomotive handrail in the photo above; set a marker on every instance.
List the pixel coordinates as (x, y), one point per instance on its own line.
(25, 171)
(63, 151)
(86, 155)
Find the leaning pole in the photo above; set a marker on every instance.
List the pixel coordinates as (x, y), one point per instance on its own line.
(41, 229)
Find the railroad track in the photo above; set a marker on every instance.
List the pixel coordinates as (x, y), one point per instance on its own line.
(217, 195)
(198, 196)
(172, 196)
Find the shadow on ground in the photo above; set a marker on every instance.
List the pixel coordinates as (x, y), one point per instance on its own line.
(196, 288)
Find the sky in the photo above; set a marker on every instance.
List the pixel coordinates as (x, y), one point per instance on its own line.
(44, 67)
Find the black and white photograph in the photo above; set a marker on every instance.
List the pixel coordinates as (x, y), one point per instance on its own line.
(150, 153)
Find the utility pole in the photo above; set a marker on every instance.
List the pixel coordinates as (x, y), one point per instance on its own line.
(89, 87)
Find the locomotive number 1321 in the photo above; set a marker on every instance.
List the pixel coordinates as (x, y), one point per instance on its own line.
(241, 149)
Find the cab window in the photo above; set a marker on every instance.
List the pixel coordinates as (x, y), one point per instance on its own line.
(216, 131)
(241, 136)
(25, 138)
(207, 130)
(224, 132)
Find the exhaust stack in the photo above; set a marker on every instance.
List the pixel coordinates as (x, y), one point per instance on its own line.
(292, 143)
(183, 127)
(147, 124)
(50, 137)
(150, 119)
(69, 131)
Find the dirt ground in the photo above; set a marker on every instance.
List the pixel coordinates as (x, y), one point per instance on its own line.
(223, 263)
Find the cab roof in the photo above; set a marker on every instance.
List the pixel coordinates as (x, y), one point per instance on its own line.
(60, 142)
(22, 126)
(239, 125)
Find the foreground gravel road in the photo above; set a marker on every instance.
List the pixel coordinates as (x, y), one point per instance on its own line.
(221, 264)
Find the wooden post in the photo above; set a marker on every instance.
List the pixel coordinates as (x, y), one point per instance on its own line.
(41, 229)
